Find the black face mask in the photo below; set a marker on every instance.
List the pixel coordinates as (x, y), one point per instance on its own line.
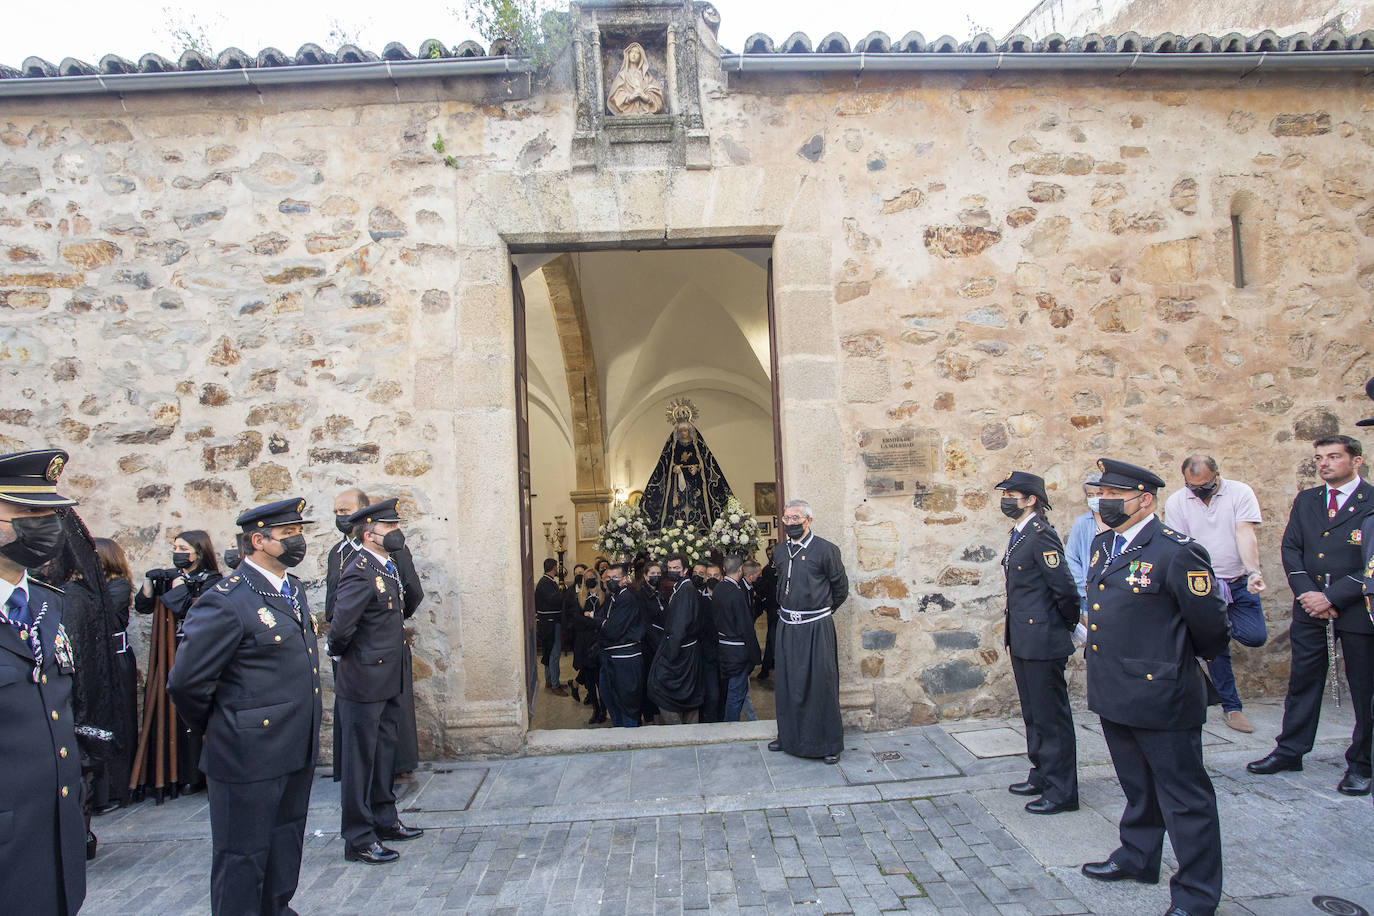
(293, 549)
(341, 522)
(612, 585)
(181, 559)
(794, 532)
(577, 580)
(1205, 491)
(1009, 507)
(699, 581)
(1113, 512)
(37, 539)
(394, 540)
(673, 575)
(653, 580)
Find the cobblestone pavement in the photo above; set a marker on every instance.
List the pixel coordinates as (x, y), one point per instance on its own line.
(916, 820)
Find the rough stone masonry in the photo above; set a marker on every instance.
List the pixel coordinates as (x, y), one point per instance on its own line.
(218, 297)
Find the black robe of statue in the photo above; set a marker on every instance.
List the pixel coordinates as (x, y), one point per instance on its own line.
(687, 485)
(811, 586)
(675, 677)
(623, 652)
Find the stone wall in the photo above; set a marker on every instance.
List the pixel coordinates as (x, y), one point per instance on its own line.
(214, 299)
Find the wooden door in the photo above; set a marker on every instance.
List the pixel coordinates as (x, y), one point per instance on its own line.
(522, 449)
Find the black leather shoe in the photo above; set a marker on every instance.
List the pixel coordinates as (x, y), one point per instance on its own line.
(107, 808)
(372, 854)
(1351, 784)
(1025, 788)
(1175, 911)
(831, 759)
(1045, 806)
(1113, 871)
(775, 745)
(399, 831)
(91, 844)
(1274, 763)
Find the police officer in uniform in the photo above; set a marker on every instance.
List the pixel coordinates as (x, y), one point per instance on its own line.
(1042, 610)
(248, 676)
(1153, 608)
(43, 844)
(367, 638)
(1321, 550)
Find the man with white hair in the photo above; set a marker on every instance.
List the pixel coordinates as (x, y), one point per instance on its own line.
(811, 585)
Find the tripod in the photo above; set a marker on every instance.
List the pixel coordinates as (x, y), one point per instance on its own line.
(157, 735)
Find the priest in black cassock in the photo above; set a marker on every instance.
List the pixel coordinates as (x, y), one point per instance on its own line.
(811, 586)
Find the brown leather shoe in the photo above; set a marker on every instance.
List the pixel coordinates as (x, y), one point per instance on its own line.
(1235, 719)
(559, 691)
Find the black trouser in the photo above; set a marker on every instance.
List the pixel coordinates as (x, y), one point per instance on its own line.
(1167, 789)
(258, 831)
(369, 752)
(1307, 681)
(1050, 742)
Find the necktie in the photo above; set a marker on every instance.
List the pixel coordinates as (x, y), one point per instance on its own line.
(17, 606)
(1332, 505)
(1118, 545)
(390, 569)
(289, 594)
(1011, 540)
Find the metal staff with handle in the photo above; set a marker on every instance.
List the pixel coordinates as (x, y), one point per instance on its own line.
(1332, 674)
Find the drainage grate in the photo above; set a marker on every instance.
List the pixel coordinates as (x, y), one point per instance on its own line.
(889, 757)
(1336, 906)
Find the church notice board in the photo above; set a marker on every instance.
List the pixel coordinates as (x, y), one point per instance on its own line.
(899, 461)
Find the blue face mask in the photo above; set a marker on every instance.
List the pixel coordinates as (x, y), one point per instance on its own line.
(1093, 503)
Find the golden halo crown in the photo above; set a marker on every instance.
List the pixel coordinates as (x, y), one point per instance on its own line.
(681, 410)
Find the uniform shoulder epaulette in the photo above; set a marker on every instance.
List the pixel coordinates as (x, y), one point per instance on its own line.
(1181, 538)
(227, 584)
(1037, 525)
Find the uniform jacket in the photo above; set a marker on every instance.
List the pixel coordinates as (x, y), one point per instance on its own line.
(42, 832)
(1151, 612)
(248, 676)
(366, 634)
(339, 556)
(739, 644)
(1315, 547)
(1042, 599)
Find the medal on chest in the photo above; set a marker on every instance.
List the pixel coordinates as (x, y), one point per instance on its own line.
(1139, 574)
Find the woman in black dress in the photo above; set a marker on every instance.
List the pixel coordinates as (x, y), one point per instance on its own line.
(111, 787)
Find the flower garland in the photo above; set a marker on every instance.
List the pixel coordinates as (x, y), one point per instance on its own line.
(624, 534)
(735, 531)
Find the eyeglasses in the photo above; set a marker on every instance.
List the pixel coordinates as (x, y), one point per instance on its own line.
(794, 519)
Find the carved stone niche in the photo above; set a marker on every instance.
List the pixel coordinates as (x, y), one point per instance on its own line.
(636, 71)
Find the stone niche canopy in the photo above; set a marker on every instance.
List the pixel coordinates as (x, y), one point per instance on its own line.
(663, 126)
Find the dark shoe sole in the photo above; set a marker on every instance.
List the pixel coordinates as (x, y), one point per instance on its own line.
(1056, 809)
(1279, 766)
(1122, 876)
(350, 856)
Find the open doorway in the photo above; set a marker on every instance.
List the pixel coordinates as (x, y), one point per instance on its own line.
(618, 352)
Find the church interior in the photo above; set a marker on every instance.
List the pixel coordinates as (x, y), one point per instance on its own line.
(615, 339)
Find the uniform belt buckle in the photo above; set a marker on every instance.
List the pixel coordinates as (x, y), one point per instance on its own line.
(795, 616)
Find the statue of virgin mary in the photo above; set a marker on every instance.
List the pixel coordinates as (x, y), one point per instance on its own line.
(687, 484)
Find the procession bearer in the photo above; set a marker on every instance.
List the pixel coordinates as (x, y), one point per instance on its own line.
(1153, 610)
(1042, 610)
(40, 791)
(247, 675)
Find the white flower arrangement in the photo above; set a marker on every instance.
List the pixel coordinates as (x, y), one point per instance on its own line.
(679, 538)
(735, 530)
(624, 534)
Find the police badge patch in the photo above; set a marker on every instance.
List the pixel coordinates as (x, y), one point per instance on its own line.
(1051, 558)
(1096, 555)
(1357, 536)
(268, 619)
(1200, 583)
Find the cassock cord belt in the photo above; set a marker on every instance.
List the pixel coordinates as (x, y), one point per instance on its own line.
(799, 617)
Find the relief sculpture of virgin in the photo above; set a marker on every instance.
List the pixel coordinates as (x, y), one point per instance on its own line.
(634, 90)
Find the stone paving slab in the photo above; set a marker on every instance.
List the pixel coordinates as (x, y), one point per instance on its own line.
(733, 828)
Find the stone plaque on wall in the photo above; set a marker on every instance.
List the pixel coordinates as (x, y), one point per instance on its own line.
(899, 461)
